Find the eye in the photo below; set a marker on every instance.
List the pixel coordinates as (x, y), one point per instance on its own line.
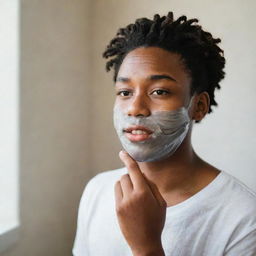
(160, 92)
(123, 93)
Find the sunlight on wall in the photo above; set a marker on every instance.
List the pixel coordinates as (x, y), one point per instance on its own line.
(9, 212)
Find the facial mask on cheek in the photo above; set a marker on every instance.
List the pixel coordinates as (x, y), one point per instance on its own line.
(169, 130)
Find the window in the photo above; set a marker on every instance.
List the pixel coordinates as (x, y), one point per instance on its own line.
(9, 131)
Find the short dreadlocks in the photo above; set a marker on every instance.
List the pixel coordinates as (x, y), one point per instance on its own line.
(202, 57)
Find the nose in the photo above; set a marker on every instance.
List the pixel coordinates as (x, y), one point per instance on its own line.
(138, 106)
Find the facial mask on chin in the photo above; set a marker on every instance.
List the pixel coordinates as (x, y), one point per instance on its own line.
(169, 130)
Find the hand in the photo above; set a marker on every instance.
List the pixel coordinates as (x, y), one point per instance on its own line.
(141, 209)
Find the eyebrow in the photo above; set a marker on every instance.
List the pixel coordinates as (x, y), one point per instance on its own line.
(152, 78)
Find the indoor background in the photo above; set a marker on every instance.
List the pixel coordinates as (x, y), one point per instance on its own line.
(66, 100)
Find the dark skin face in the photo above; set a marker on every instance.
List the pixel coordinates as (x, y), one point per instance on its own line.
(152, 79)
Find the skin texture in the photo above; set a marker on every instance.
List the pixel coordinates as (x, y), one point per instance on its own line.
(143, 194)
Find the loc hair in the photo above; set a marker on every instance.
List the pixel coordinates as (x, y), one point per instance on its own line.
(199, 51)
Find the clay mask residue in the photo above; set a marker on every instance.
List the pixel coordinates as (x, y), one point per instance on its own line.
(169, 130)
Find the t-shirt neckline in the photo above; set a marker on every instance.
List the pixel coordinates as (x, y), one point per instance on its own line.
(204, 193)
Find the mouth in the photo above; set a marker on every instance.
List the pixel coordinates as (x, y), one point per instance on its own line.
(137, 133)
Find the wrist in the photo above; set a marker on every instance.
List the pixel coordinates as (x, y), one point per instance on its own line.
(152, 252)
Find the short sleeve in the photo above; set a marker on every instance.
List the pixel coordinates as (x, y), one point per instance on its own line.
(79, 248)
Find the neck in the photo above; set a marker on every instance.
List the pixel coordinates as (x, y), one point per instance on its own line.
(175, 172)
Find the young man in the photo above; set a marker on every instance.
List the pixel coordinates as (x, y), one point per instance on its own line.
(166, 200)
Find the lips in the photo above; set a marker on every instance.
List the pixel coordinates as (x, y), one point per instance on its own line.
(137, 133)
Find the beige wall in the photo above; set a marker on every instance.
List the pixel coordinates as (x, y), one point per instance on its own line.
(54, 124)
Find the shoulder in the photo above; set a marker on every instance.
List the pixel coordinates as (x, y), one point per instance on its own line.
(240, 189)
(104, 179)
(108, 176)
(239, 196)
(239, 209)
(100, 187)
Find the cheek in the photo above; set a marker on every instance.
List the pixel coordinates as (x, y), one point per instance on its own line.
(178, 100)
(172, 103)
(117, 104)
(121, 105)
(118, 112)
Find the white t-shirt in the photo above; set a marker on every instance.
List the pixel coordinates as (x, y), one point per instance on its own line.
(218, 220)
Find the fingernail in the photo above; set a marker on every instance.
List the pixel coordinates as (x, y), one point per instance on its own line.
(122, 154)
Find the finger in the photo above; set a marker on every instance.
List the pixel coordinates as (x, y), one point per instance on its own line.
(156, 193)
(126, 185)
(134, 171)
(118, 193)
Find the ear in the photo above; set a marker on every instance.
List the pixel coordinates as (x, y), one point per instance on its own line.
(201, 106)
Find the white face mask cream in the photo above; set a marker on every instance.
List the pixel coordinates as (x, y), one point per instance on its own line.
(168, 130)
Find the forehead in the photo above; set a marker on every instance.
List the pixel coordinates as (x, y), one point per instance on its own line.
(145, 61)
